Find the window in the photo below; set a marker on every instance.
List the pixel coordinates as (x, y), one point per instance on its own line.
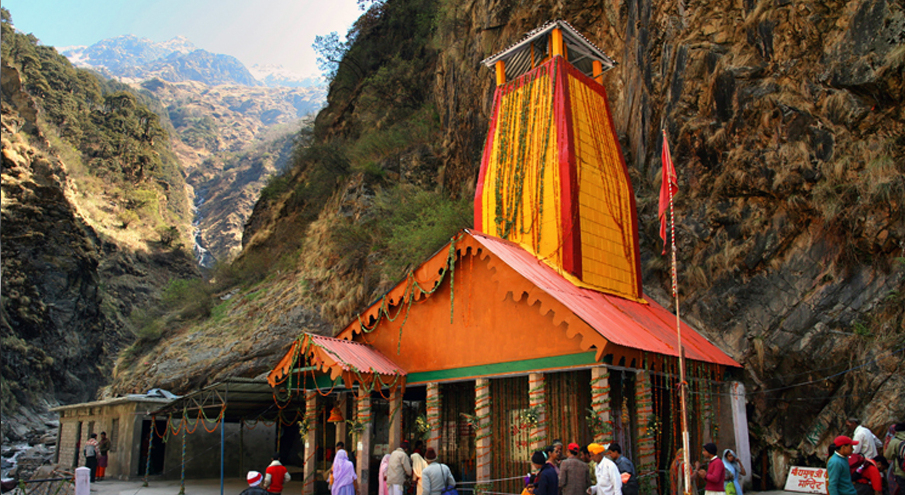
(90, 428)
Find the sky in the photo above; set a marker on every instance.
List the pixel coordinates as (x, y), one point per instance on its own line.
(264, 32)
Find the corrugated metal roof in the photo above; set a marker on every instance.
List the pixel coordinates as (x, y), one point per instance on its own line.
(581, 52)
(355, 356)
(648, 327)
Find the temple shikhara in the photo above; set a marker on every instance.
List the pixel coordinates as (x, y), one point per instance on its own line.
(531, 327)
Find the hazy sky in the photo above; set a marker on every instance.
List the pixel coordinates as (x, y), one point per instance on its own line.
(254, 31)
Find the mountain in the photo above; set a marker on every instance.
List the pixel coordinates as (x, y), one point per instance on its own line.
(229, 139)
(130, 58)
(278, 76)
(785, 121)
(125, 52)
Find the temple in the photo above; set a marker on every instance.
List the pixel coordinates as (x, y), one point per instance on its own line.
(533, 326)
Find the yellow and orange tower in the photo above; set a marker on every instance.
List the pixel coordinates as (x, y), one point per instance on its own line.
(553, 178)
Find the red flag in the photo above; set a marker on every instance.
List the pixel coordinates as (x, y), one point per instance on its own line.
(668, 187)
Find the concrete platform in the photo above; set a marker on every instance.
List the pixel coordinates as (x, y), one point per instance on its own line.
(231, 486)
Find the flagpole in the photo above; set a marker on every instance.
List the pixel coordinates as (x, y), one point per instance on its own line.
(682, 384)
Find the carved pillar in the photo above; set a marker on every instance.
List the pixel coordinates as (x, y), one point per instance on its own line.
(310, 442)
(600, 403)
(644, 405)
(537, 434)
(433, 415)
(395, 418)
(363, 439)
(482, 429)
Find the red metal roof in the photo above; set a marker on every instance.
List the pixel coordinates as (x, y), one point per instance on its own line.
(649, 327)
(351, 356)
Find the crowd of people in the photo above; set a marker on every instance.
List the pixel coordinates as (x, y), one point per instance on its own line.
(601, 469)
(855, 466)
(865, 465)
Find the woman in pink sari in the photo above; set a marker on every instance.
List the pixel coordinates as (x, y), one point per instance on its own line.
(343, 475)
(382, 475)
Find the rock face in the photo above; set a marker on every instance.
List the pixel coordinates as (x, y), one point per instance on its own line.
(67, 290)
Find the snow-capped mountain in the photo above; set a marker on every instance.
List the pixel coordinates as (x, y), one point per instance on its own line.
(279, 76)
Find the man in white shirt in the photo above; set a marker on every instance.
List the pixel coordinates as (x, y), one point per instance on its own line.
(609, 482)
(867, 442)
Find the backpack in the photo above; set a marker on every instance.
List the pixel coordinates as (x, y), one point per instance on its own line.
(900, 455)
(858, 469)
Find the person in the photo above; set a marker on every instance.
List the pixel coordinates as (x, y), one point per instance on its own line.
(891, 452)
(254, 479)
(275, 476)
(574, 478)
(343, 475)
(891, 486)
(419, 448)
(735, 468)
(382, 475)
(592, 466)
(399, 468)
(91, 456)
(839, 478)
(418, 465)
(558, 449)
(609, 482)
(103, 447)
(436, 477)
(715, 475)
(677, 475)
(630, 484)
(546, 482)
(868, 477)
(866, 442)
(552, 456)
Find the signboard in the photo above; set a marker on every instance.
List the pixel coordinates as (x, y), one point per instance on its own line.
(806, 480)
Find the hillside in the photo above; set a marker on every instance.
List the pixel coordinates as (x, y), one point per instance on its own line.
(94, 215)
(786, 125)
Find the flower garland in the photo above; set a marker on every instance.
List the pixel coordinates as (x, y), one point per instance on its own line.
(537, 401)
(600, 405)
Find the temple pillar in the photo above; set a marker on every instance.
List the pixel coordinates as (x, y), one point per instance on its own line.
(395, 418)
(363, 439)
(310, 442)
(482, 429)
(644, 406)
(600, 404)
(433, 415)
(537, 433)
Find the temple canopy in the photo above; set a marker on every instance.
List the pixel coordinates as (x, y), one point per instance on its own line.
(351, 361)
(535, 47)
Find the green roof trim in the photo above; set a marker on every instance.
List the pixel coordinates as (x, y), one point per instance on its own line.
(512, 367)
(324, 383)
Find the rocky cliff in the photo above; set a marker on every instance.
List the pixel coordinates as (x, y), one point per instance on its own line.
(786, 125)
(73, 275)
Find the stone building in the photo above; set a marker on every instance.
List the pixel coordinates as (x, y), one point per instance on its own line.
(127, 423)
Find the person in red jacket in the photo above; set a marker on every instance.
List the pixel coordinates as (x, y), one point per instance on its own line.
(715, 475)
(869, 478)
(275, 476)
